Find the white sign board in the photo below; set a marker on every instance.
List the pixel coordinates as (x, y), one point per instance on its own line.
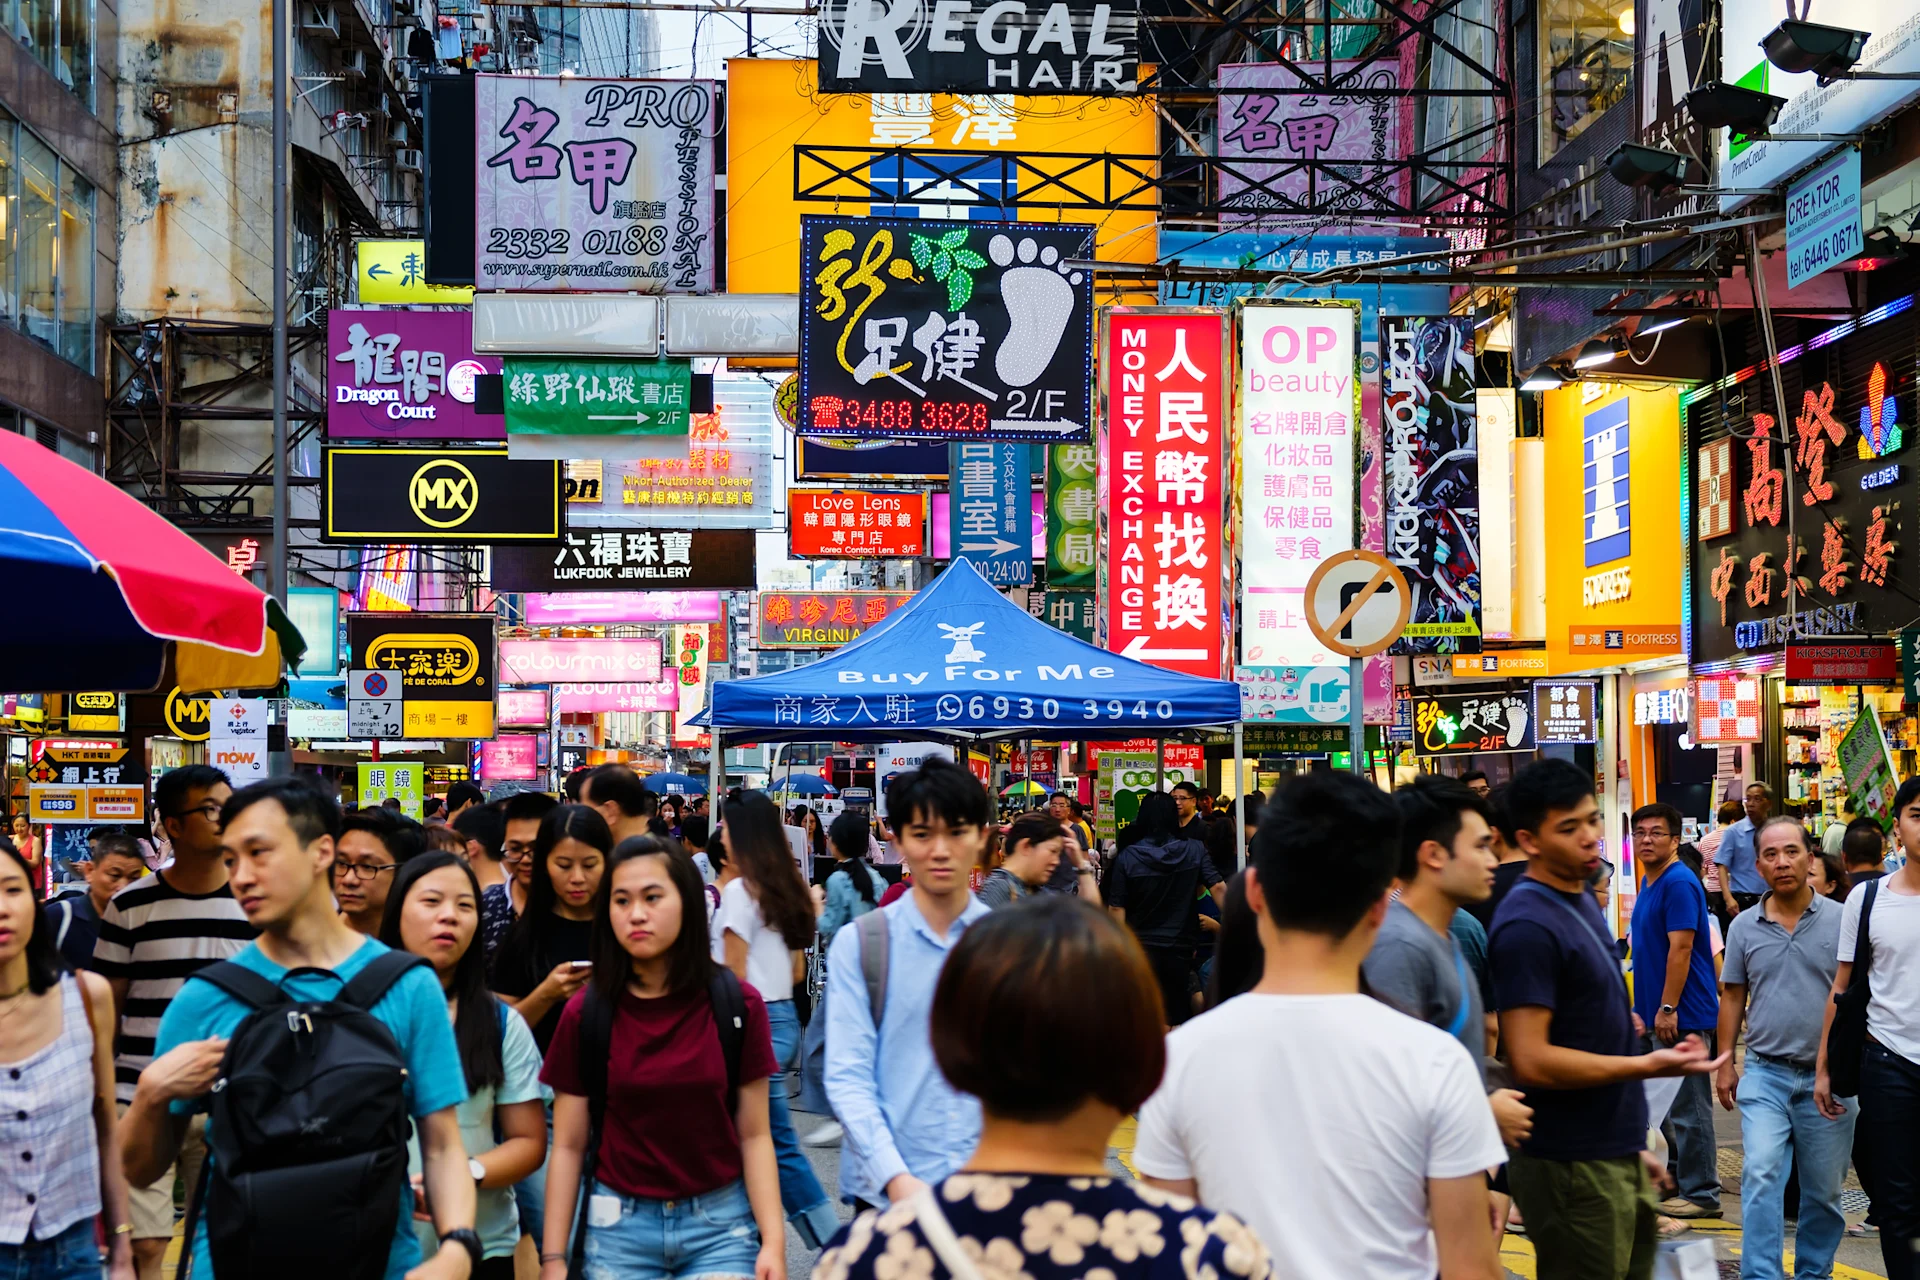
(734, 324)
(577, 324)
(1845, 106)
(901, 757)
(237, 738)
(585, 184)
(1300, 401)
(375, 708)
(1823, 218)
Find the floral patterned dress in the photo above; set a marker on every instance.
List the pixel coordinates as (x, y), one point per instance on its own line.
(1046, 1227)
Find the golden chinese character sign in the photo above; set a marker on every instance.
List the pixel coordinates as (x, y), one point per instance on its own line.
(446, 665)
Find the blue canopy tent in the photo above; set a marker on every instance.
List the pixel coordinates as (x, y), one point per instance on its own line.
(961, 663)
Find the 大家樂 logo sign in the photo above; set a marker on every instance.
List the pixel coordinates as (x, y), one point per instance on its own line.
(443, 493)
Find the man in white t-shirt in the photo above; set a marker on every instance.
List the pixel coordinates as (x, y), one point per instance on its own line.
(1889, 1099)
(1359, 1139)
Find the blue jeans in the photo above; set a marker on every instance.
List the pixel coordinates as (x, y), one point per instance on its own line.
(813, 1062)
(629, 1238)
(808, 1208)
(1779, 1121)
(70, 1255)
(1890, 1105)
(530, 1194)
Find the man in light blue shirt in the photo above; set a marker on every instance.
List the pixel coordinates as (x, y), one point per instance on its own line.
(906, 1127)
(1741, 884)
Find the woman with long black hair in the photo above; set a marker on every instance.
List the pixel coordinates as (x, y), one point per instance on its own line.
(433, 911)
(1154, 885)
(56, 1102)
(683, 1179)
(766, 922)
(544, 958)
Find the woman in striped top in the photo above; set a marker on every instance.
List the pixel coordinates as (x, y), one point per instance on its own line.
(59, 1160)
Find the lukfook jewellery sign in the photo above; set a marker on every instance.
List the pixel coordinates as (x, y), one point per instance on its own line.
(600, 185)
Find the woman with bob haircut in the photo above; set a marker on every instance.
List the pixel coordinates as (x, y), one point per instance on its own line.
(676, 1177)
(1054, 1072)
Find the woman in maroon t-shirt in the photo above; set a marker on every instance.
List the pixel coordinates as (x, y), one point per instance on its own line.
(685, 1182)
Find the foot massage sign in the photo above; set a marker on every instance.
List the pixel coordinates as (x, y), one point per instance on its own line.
(915, 328)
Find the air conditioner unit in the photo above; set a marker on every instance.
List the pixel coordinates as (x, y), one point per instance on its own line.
(407, 159)
(351, 63)
(319, 20)
(399, 135)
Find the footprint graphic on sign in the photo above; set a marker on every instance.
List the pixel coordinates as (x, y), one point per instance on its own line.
(1039, 301)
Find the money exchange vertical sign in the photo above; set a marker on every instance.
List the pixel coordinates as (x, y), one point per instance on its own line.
(990, 510)
(1300, 400)
(1073, 504)
(1161, 579)
(594, 184)
(1432, 445)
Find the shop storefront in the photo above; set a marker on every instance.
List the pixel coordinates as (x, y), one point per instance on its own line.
(1802, 568)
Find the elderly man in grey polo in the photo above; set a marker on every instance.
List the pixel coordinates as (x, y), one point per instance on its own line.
(1779, 966)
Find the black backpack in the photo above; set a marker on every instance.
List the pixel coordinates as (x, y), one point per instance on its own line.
(595, 1050)
(308, 1133)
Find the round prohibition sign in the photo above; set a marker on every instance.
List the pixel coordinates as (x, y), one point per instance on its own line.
(1357, 603)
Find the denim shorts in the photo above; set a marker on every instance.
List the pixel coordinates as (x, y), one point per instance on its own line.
(70, 1255)
(629, 1238)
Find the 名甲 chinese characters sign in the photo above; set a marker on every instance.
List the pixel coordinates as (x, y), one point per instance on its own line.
(598, 397)
(1274, 138)
(916, 328)
(1163, 439)
(404, 375)
(1447, 724)
(856, 522)
(446, 666)
(1431, 445)
(1300, 404)
(1034, 46)
(1073, 508)
(594, 185)
(821, 619)
(438, 495)
(85, 780)
(596, 559)
(989, 510)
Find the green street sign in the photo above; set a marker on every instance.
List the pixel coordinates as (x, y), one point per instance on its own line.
(598, 397)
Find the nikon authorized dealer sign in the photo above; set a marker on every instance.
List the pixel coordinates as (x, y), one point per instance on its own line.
(469, 496)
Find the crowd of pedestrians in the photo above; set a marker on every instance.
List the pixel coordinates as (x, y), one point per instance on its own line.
(566, 1029)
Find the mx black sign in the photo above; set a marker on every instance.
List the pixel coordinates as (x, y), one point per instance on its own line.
(466, 496)
(979, 46)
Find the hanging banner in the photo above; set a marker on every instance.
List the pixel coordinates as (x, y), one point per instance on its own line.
(925, 329)
(85, 780)
(1041, 46)
(1073, 506)
(990, 510)
(710, 559)
(855, 523)
(1277, 136)
(1163, 565)
(597, 402)
(404, 375)
(1299, 404)
(1294, 695)
(690, 663)
(382, 781)
(594, 185)
(820, 619)
(1433, 477)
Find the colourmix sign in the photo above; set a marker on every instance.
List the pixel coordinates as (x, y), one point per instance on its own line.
(586, 184)
(1433, 477)
(632, 660)
(463, 496)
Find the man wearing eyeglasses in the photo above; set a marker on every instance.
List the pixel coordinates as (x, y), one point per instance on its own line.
(521, 816)
(153, 934)
(372, 845)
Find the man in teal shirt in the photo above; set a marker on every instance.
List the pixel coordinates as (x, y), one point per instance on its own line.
(278, 837)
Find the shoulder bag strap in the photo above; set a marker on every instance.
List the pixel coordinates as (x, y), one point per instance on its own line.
(66, 923)
(1460, 973)
(1606, 944)
(940, 1236)
(875, 944)
(373, 982)
(730, 1020)
(1863, 941)
(242, 983)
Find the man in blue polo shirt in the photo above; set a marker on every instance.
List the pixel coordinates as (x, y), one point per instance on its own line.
(1674, 992)
(1741, 884)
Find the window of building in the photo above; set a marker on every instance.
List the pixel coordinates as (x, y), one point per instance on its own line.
(39, 238)
(1459, 131)
(9, 223)
(47, 245)
(60, 34)
(73, 268)
(1586, 65)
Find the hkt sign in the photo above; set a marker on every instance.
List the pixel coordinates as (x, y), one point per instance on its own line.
(1300, 393)
(544, 661)
(1161, 577)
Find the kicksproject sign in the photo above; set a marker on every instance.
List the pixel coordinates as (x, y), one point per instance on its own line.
(405, 375)
(1042, 46)
(1300, 409)
(1162, 574)
(1432, 444)
(589, 185)
(922, 329)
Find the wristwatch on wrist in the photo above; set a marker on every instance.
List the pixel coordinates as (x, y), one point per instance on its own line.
(467, 1239)
(478, 1170)
(1667, 1008)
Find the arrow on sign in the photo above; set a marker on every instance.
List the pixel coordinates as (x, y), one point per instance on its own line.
(998, 547)
(378, 269)
(638, 419)
(1051, 428)
(1137, 648)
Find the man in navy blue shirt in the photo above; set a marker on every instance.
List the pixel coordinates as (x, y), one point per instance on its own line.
(1583, 1178)
(1675, 994)
(1740, 882)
